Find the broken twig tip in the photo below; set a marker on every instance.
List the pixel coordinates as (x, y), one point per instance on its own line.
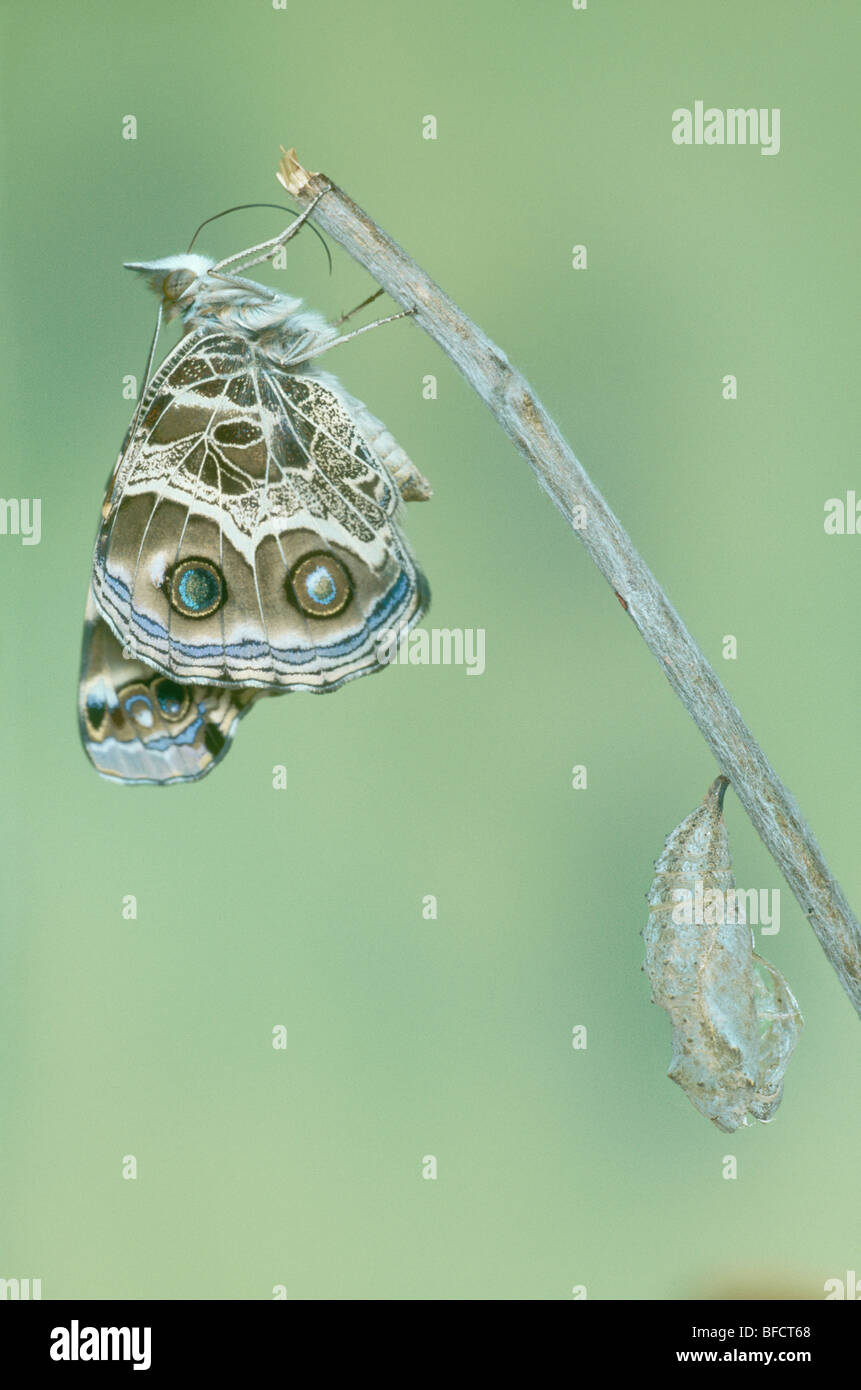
(291, 174)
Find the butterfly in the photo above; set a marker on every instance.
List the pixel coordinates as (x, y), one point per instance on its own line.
(250, 541)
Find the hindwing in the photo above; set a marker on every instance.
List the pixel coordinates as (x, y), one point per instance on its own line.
(138, 725)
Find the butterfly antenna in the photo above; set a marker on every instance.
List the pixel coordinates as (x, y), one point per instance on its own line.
(241, 207)
(147, 374)
(135, 420)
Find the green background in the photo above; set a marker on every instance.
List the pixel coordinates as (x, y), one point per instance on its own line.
(302, 907)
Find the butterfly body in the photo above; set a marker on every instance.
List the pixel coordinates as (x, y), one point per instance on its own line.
(250, 539)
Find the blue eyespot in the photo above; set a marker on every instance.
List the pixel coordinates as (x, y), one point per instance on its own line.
(197, 588)
(139, 709)
(321, 585)
(173, 699)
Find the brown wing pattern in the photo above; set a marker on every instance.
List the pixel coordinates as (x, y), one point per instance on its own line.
(250, 535)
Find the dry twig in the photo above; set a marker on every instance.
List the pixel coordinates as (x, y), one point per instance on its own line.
(771, 807)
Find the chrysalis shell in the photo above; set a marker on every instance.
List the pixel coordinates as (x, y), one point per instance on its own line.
(735, 1020)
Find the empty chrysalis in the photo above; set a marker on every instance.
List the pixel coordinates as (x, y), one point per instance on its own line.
(735, 1019)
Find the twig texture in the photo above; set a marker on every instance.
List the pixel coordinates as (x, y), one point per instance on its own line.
(771, 807)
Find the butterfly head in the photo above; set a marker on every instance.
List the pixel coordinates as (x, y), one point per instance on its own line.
(175, 279)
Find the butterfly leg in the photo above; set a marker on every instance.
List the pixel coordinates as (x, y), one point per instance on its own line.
(244, 260)
(237, 283)
(304, 355)
(364, 304)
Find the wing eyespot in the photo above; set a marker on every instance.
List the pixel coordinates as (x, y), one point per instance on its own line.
(320, 585)
(197, 588)
(173, 700)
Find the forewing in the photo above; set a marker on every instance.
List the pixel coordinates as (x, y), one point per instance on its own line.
(246, 495)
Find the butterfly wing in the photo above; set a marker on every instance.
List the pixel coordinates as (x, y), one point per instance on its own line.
(251, 535)
(138, 725)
